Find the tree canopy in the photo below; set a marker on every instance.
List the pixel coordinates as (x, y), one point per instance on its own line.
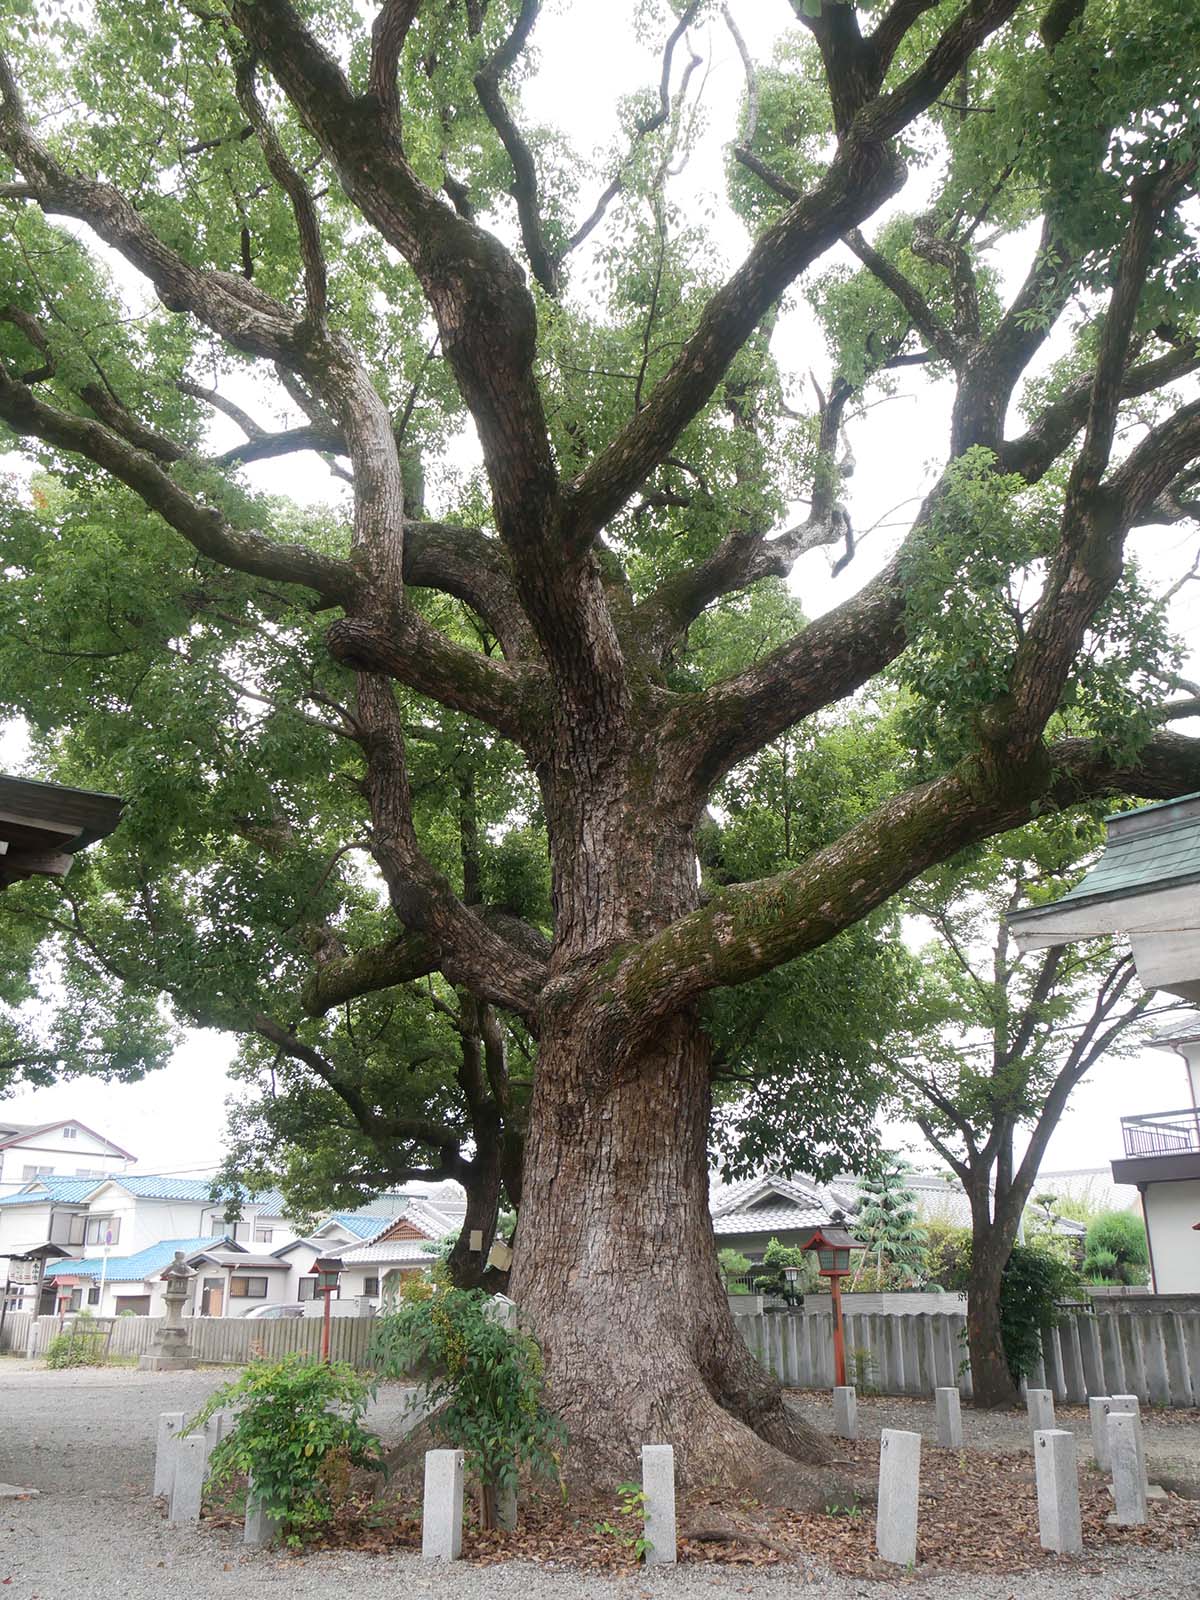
(571, 456)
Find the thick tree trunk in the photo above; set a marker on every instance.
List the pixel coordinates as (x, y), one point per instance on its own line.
(615, 1270)
(467, 1267)
(991, 1381)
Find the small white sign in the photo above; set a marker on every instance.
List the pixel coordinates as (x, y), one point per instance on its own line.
(24, 1272)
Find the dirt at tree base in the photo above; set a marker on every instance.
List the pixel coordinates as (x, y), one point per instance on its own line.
(978, 1513)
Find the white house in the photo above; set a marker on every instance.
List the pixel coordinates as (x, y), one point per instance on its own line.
(229, 1281)
(128, 1215)
(372, 1269)
(69, 1149)
(1146, 885)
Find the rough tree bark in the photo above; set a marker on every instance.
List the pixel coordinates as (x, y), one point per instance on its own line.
(615, 1263)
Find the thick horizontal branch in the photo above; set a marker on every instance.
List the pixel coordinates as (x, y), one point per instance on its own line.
(413, 652)
(202, 526)
(384, 966)
(748, 929)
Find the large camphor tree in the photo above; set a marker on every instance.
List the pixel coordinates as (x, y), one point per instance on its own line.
(358, 214)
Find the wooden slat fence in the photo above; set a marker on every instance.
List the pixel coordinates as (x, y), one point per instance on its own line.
(1153, 1354)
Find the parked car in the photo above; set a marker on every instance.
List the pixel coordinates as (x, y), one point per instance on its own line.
(273, 1313)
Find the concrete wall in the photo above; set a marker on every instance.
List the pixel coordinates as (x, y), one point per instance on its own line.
(1154, 1354)
(1171, 1210)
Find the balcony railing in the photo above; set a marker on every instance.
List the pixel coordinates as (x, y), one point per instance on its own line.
(1162, 1133)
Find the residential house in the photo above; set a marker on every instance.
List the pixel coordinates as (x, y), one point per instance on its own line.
(229, 1281)
(747, 1216)
(1145, 886)
(340, 1231)
(374, 1269)
(82, 1218)
(69, 1149)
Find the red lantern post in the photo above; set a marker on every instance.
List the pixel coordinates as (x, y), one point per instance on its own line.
(326, 1270)
(833, 1246)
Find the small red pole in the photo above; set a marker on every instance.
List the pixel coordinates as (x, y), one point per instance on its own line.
(839, 1338)
(325, 1328)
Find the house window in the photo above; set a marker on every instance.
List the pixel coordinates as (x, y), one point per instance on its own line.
(36, 1172)
(70, 1133)
(102, 1230)
(75, 1228)
(370, 1286)
(247, 1288)
(308, 1287)
(89, 1172)
(217, 1227)
(94, 1295)
(263, 1235)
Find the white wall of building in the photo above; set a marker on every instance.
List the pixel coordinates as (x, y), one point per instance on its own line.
(1171, 1210)
(67, 1152)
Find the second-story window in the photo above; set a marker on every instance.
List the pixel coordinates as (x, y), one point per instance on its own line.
(70, 1133)
(102, 1230)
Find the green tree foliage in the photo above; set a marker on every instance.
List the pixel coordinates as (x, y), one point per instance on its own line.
(771, 1279)
(1116, 1249)
(418, 762)
(886, 1225)
(1034, 1282)
(296, 1432)
(483, 1381)
(993, 1043)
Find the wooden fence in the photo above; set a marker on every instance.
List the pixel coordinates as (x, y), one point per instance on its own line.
(1153, 1354)
(224, 1341)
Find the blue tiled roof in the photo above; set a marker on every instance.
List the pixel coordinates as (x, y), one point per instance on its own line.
(43, 1189)
(132, 1269)
(198, 1189)
(360, 1227)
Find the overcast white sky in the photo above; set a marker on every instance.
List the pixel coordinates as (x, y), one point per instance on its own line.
(174, 1120)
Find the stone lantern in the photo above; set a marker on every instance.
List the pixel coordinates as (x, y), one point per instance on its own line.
(170, 1351)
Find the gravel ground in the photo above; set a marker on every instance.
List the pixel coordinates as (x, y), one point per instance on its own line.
(85, 1439)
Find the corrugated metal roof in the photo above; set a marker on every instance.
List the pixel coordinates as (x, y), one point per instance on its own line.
(64, 1190)
(133, 1269)
(361, 1227)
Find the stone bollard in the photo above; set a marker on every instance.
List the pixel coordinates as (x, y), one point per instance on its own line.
(949, 1418)
(442, 1508)
(1127, 1402)
(1099, 1407)
(169, 1424)
(658, 1486)
(845, 1412)
(187, 1485)
(899, 1486)
(1059, 1522)
(215, 1429)
(1128, 1468)
(1040, 1405)
(260, 1529)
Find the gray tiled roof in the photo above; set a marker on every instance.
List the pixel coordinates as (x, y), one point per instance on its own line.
(1152, 848)
(770, 1219)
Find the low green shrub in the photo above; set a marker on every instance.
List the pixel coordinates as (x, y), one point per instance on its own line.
(1034, 1282)
(484, 1385)
(81, 1344)
(298, 1430)
(1116, 1249)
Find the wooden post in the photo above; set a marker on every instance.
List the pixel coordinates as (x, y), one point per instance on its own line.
(325, 1328)
(839, 1337)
